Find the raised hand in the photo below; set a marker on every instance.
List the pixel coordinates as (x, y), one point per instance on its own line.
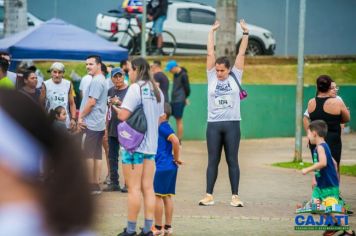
(243, 26)
(215, 26)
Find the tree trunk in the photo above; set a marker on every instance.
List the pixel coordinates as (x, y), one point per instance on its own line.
(226, 13)
(15, 19)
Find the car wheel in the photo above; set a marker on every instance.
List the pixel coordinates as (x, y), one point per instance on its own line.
(254, 48)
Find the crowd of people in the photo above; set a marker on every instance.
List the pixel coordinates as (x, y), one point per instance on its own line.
(109, 96)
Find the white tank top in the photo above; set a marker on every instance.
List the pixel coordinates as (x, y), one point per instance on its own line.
(57, 95)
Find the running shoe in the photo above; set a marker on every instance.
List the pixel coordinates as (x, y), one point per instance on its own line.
(158, 232)
(150, 233)
(207, 201)
(124, 189)
(236, 202)
(112, 188)
(125, 233)
(345, 233)
(168, 232)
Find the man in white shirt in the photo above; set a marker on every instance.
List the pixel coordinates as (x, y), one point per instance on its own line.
(57, 92)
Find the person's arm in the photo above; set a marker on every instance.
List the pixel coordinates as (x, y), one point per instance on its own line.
(319, 165)
(72, 107)
(88, 107)
(306, 122)
(122, 113)
(185, 84)
(210, 59)
(176, 149)
(131, 100)
(345, 113)
(240, 58)
(43, 96)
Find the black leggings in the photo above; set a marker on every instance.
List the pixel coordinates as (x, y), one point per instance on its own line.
(218, 135)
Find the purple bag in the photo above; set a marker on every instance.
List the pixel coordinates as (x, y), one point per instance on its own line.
(131, 132)
(243, 93)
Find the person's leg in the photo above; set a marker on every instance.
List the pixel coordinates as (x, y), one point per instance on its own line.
(158, 211)
(148, 192)
(113, 160)
(231, 140)
(133, 176)
(89, 150)
(214, 143)
(179, 122)
(98, 156)
(106, 151)
(168, 209)
(159, 30)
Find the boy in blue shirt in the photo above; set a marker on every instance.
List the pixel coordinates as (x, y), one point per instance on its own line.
(166, 173)
(326, 192)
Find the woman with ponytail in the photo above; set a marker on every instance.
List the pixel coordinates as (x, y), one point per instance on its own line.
(139, 166)
(59, 202)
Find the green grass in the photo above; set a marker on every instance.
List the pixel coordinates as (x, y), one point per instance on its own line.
(344, 170)
(342, 72)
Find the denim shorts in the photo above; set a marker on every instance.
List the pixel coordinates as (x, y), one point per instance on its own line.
(157, 27)
(135, 158)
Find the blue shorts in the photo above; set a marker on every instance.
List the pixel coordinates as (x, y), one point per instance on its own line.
(164, 182)
(157, 27)
(135, 158)
(177, 109)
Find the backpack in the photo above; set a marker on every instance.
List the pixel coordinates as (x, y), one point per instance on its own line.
(131, 132)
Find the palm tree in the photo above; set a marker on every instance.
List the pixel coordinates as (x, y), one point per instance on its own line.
(15, 19)
(226, 13)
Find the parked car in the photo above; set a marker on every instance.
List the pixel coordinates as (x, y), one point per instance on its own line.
(31, 19)
(189, 23)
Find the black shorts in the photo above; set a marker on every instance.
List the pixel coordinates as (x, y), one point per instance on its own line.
(92, 142)
(177, 109)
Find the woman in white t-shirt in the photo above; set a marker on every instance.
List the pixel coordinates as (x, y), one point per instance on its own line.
(139, 166)
(223, 130)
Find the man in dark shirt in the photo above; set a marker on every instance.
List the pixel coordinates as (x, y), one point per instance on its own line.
(180, 93)
(116, 95)
(160, 78)
(157, 12)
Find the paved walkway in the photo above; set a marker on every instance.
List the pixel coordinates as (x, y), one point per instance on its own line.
(269, 193)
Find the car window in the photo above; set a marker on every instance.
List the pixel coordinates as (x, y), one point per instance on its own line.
(2, 14)
(199, 16)
(183, 15)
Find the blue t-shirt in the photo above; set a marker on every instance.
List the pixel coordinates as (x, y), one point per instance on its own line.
(164, 157)
(328, 175)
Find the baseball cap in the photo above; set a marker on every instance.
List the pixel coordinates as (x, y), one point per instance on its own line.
(115, 71)
(56, 66)
(170, 65)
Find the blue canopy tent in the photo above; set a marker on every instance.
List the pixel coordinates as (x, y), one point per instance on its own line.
(58, 40)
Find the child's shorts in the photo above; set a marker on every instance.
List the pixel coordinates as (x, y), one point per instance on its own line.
(165, 182)
(135, 158)
(328, 196)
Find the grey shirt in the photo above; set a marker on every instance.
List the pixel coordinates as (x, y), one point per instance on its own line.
(98, 90)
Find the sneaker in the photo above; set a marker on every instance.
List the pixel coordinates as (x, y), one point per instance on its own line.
(157, 232)
(207, 201)
(112, 188)
(124, 189)
(125, 233)
(168, 231)
(345, 233)
(236, 202)
(95, 189)
(150, 233)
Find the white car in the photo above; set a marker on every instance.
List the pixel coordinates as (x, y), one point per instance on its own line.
(189, 23)
(31, 19)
